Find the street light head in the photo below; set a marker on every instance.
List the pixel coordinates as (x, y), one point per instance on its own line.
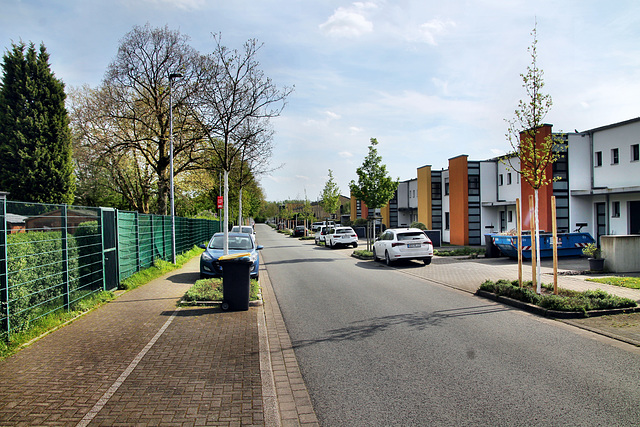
(175, 76)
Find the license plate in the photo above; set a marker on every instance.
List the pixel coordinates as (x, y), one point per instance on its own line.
(414, 245)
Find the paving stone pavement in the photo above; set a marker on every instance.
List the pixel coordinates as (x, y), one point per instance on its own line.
(141, 360)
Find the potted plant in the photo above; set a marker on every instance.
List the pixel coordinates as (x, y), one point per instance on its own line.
(596, 262)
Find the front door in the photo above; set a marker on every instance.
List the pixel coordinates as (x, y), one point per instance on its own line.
(634, 217)
(601, 221)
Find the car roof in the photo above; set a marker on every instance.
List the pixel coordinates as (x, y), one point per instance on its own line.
(406, 230)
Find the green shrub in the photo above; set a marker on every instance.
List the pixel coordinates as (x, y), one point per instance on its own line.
(89, 242)
(419, 225)
(211, 290)
(36, 274)
(566, 300)
(459, 251)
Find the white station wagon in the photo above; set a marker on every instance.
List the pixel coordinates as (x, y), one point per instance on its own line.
(403, 243)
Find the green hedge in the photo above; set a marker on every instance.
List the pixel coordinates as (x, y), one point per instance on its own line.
(36, 274)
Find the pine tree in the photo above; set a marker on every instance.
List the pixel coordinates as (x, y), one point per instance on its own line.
(36, 162)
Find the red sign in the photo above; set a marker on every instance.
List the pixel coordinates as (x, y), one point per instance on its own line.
(220, 202)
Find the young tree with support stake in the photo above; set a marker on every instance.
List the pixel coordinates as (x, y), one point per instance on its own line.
(374, 187)
(536, 153)
(330, 196)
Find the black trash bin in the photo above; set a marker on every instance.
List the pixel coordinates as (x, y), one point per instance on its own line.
(236, 270)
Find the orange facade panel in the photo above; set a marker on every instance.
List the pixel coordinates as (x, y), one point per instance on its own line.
(459, 200)
(424, 196)
(544, 193)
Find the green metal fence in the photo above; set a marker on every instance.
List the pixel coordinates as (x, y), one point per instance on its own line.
(52, 256)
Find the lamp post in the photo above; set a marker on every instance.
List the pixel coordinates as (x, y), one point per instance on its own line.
(172, 76)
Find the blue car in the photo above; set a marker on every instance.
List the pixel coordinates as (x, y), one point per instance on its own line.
(238, 243)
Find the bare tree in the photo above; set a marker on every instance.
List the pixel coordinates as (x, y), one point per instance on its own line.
(235, 94)
(129, 113)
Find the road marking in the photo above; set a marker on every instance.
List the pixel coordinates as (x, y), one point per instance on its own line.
(121, 379)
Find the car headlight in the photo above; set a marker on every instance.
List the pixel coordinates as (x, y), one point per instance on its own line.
(206, 257)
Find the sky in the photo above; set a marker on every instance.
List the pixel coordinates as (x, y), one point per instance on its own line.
(430, 80)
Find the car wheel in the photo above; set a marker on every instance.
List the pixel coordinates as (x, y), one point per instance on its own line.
(224, 306)
(317, 241)
(386, 258)
(375, 257)
(427, 261)
(355, 245)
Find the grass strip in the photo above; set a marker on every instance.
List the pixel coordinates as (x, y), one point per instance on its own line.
(625, 282)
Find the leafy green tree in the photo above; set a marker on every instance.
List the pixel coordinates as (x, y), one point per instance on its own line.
(36, 162)
(534, 153)
(330, 197)
(374, 187)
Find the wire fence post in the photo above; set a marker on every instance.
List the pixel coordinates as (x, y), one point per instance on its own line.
(65, 254)
(4, 274)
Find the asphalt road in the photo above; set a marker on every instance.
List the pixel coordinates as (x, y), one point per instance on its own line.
(378, 347)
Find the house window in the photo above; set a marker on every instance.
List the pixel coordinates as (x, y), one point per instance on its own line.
(598, 159)
(446, 187)
(615, 209)
(615, 158)
(635, 152)
(500, 179)
(509, 178)
(446, 220)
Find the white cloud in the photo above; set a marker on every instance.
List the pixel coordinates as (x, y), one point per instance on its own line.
(349, 22)
(180, 4)
(429, 30)
(345, 154)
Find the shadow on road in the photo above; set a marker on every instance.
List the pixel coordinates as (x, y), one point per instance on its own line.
(419, 321)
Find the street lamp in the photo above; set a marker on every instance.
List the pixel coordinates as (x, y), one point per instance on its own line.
(172, 76)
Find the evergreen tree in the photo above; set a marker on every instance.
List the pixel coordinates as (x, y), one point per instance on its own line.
(36, 162)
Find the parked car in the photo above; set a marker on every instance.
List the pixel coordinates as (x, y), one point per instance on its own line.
(245, 229)
(320, 235)
(403, 243)
(299, 231)
(238, 243)
(317, 225)
(341, 236)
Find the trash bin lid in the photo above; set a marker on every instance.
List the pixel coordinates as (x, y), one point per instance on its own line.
(234, 256)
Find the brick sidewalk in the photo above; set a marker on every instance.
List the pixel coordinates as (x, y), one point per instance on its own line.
(140, 360)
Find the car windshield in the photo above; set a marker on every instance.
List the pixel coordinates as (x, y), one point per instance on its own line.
(413, 235)
(235, 243)
(247, 230)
